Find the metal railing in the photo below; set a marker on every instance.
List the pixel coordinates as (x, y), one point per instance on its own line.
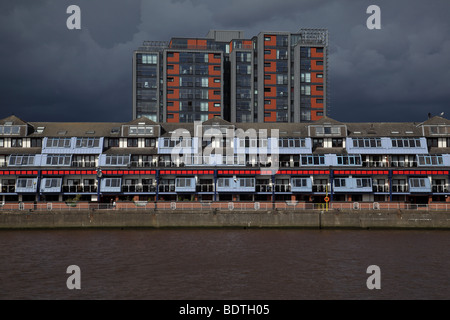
(227, 206)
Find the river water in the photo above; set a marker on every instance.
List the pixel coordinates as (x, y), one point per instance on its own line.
(224, 264)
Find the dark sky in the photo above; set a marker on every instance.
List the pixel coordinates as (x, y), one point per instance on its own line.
(49, 73)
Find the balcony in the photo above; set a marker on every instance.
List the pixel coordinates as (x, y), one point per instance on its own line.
(8, 189)
(84, 164)
(400, 188)
(130, 188)
(166, 188)
(439, 189)
(403, 164)
(282, 188)
(319, 188)
(79, 189)
(204, 188)
(143, 164)
(263, 188)
(375, 164)
(381, 188)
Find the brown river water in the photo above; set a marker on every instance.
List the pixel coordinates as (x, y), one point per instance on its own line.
(224, 264)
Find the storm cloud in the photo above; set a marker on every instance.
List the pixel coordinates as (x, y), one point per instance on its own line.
(49, 73)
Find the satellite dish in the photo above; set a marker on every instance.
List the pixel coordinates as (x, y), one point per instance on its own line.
(442, 113)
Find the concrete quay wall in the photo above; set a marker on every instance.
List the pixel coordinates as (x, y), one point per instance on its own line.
(362, 219)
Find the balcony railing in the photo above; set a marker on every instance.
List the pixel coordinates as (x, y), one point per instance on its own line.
(79, 189)
(380, 188)
(204, 188)
(166, 188)
(282, 188)
(319, 188)
(403, 164)
(439, 189)
(143, 164)
(399, 188)
(263, 188)
(8, 189)
(138, 188)
(84, 164)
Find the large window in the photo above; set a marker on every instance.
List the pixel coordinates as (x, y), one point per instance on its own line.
(149, 58)
(291, 142)
(52, 183)
(87, 143)
(112, 182)
(8, 129)
(58, 143)
(117, 160)
(363, 182)
(300, 182)
(405, 142)
(312, 160)
(140, 130)
(58, 160)
(432, 160)
(25, 183)
(349, 160)
(21, 160)
(366, 142)
(16, 142)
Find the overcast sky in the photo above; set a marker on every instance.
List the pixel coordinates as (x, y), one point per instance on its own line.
(50, 73)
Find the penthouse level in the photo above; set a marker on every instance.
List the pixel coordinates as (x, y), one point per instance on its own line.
(216, 160)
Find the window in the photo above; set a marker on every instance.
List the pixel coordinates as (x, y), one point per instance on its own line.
(16, 142)
(319, 63)
(2, 142)
(417, 182)
(319, 75)
(141, 130)
(132, 142)
(349, 160)
(117, 160)
(58, 143)
(339, 182)
(9, 129)
(36, 142)
(113, 142)
(267, 38)
(300, 182)
(149, 58)
(363, 182)
(87, 143)
(52, 183)
(319, 88)
(406, 142)
(246, 182)
(432, 160)
(305, 77)
(21, 160)
(223, 182)
(336, 143)
(312, 160)
(366, 142)
(317, 143)
(58, 159)
(183, 182)
(267, 51)
(170, 67)
(112, 182)
(305, 90)
(291, 143)
(319, 50)
(25, 183)
(150, 142)
(319, 100)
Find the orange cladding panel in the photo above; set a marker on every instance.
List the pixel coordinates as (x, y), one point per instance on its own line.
(272, 80)
(315, 92)
(315, 54)
(213, 84)
(175, 58)
(314, 78)
(174, 83)
(211, 59)
(272, 42)
(213, 72)
(315, 66)
(175, 70)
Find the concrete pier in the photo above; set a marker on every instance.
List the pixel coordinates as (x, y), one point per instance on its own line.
(361, 219)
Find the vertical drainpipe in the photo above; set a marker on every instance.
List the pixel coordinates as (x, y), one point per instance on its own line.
(390, 185)
(157, 185)
(215, 185)
(38, 186)
(99, 176)
(331, 184)
(273, 189)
